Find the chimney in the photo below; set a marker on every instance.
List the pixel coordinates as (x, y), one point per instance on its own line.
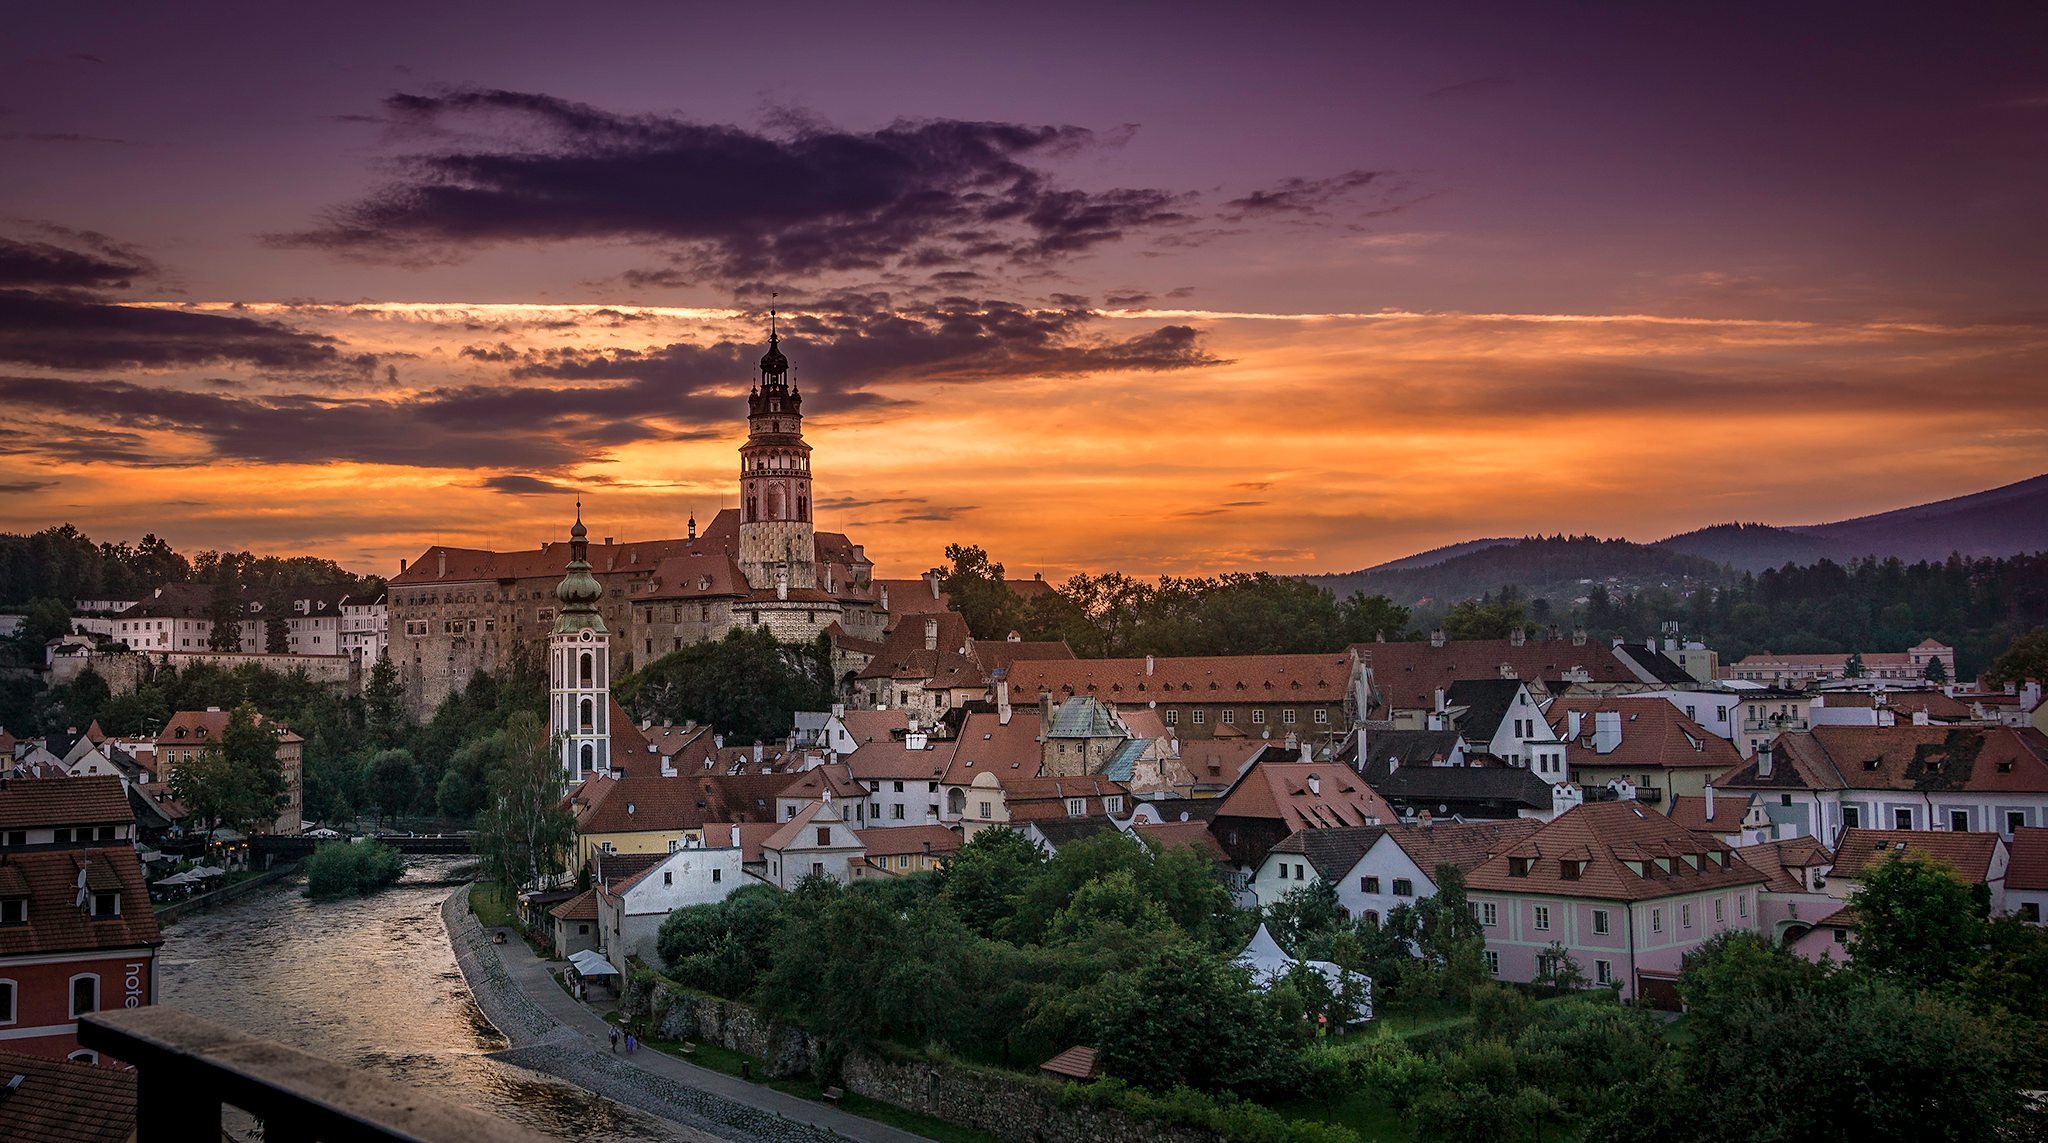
(1606, 731)
(1436, 637)
(931, 634)
(1572, 721)
(1578, 636)
(1764, 762)
(401, 570)
(1003, 710)
(1920, 717)
(443, 554)
(1442, 700)
(885, 597)
(1616, 642)
(1710, 801)
(1517, 637)
(933, 577)
(607, 541)
(735, 835)
(838, 710)
(718, 741)
(758, 751)
(1149, 664)
(1393, 763)
(1293, 740)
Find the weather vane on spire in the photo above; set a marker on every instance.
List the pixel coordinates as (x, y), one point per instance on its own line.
(772, 296)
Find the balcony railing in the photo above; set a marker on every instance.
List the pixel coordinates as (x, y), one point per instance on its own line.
(187, 1068)
(1774, 725)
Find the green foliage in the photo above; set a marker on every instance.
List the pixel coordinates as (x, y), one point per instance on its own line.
(1235, 1121)
(1485, 619)
(1306, 916)
(1185, 1018)
(391, 781)
(1784, 1049)
(342, 869)
(42, 621)
(2027, 658)
(989, 870)
(1917, 920)
(224, 612)
(236, 780)
(975, 586)
(746, 684)
(721, 948)
(524, 832)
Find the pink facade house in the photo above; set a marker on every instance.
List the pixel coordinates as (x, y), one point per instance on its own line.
(1627, 891)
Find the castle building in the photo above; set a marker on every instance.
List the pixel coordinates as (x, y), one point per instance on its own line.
(455, 611)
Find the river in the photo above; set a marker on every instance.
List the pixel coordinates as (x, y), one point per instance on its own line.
(371, 982)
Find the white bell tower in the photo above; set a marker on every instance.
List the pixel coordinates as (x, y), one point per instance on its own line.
(579, 667)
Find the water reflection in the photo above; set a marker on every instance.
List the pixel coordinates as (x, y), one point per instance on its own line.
(372, 983)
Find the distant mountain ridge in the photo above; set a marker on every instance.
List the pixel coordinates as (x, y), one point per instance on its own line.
(2004, 521)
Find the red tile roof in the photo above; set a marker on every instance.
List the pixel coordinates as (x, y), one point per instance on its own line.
(1971, 855)
(1465, 845)
(1779, 860)
(1195, 679)
(890, 841)
(1621, 851)
(1654, 735)
(1305, 795)
(985, 745)
(1039, 799)
(718, 835)
(56, 924)
(1407, 675)
(2028, 851)
(1996, 759)
(1690, 811)
(945, 664)
(1074, 1063)
(41, 803)
(581, 907)
(63, 1102)
(883, 761)
(1178, 835)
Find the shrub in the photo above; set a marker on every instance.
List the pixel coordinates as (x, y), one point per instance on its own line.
(352, 870)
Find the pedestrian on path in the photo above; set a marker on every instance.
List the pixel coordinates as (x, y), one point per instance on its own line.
(632, 1045)
(615, 1040)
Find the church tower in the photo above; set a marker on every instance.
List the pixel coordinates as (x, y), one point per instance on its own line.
(579, 667)
(777, 549)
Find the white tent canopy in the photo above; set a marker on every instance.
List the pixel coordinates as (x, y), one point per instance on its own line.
(588, 963)
(1269, 962)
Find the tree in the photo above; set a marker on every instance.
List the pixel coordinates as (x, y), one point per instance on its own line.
(1783, 1050)
(277, 614)
(1446, 934)
(1937, 670)
(975, 586)
(1366, 618)
(987, 873)
(224, 612)
(392, 781)
(524, 833)
(2027, 658)
(1304, 914)
(1556, 969)
(1853, 668)
(746, 684)
(1483, 619)
(1917, 920)
(251, 748)
(235, 781)
(381, 699)
(1185, 1017)
(45, 620)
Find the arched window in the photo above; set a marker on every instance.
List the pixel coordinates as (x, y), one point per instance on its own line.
(778, 507)
(589, 757)
(956, 801)
(588, 721)
(587, 669)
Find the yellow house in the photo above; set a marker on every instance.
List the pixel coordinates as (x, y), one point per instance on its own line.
(894, 852)
(645, 814)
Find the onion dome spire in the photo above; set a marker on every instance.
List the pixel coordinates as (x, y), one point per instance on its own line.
(773, 363)
(579, 591)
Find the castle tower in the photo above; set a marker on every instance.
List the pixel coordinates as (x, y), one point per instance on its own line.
(776, 544)
(579, 667)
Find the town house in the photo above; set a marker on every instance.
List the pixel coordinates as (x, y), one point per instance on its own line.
(1623, 890)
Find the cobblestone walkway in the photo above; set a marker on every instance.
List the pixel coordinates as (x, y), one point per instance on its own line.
(552, 1033)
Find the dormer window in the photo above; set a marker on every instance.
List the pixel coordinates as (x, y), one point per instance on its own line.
(1518, 867)
(1570, 870)
(106, 905)
(1635, 867)
(13, 910)
(1663, 865)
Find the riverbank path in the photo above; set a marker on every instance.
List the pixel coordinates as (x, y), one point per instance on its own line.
(531, 975)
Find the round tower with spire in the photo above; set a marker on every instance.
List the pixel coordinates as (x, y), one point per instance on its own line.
(776, 540)
(579, 666)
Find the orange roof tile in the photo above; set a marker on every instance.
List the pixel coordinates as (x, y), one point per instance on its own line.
(49, 879)
(63, 1102)
(1970, 854)
(1192, 679)
(1408, 675)
(1305, 795)
(1613, 851)
(33, 803)
(2028, 850)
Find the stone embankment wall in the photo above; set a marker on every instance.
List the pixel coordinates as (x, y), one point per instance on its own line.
(222, 896)
(1026, 1109)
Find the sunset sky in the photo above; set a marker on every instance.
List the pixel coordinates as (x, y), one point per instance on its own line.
(1187, 289)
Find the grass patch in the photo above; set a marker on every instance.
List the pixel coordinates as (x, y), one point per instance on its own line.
(492, 904)
(1422, 1016)
(1365, 1112)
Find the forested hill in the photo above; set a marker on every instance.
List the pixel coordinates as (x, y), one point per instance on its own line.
(1754, 547)
(1562, 568)
(65, 564)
